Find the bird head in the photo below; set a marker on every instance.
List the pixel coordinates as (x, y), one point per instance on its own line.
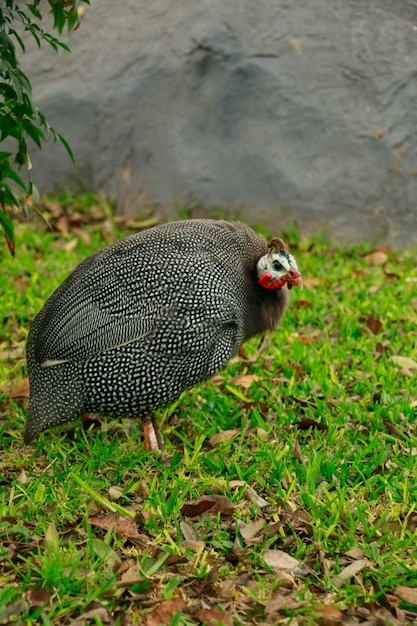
(278, 267)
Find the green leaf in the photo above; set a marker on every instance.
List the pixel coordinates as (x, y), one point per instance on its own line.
(16, 178)
(18, 38)
(34, 192)
(66, 146)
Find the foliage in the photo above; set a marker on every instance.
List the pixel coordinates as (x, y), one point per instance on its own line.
(311, 438)
(20, 118)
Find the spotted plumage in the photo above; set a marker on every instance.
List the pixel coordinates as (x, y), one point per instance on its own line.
(149, 316)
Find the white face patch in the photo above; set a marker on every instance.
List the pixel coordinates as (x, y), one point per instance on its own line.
(278, 264)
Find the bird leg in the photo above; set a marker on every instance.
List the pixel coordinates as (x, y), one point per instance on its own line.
(152, 436)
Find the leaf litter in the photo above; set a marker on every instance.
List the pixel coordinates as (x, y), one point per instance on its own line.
(277, 549)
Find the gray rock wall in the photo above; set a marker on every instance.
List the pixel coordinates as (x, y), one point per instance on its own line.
(276, 110)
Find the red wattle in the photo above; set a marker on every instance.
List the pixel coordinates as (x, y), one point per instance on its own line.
(267, 281)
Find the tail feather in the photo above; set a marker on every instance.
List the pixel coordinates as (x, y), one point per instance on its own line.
(45, 412)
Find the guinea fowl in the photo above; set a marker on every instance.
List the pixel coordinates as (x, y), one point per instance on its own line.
(140, 321)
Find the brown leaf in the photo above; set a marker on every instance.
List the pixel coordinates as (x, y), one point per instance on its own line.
(208, 504)
(38, 597)
(222, 437)
(328, 614)
(22, 478)
(302, 304)
(233, 484)
(276, 603)
(115, 493)
(130, 577)
(279, 602)
(195, 546)
(252, 532)
(297, 454)
(246, 381)
(298, 370)
(391, 275)
(214, 616)
(175, 559)
(407, 594)
(164, 612)
(12, 612)
(305, 339)
(95, 612)
(16, 390)
(404, 362)
(378, 256)
(349, 572)
(82, 234)
(359, 273)
(308, 422)
(123, 525)
(62, 225)
(273, 529)
(242, 353)
(143, 489)
(188, 531)
(21, 283)
(313, 281)
(354, 553)
(255, 497)
(373, 324)
(279, 560)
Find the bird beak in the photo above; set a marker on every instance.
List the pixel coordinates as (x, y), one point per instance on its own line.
(294, 278)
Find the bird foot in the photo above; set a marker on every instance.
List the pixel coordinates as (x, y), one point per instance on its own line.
(152, 436)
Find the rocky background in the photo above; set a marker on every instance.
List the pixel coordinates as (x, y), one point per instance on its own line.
(274, 110)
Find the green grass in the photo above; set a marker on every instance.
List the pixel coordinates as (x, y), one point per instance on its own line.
(326, 436)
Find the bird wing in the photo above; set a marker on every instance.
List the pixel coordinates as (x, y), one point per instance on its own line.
(104, 305)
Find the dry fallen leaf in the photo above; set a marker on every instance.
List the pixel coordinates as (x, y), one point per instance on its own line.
(355, 553)
(349, 571)
(305, 339)
(38, 597)
(115, 493)
(163, 612)
(10, 614)
(96, 613)
(16, 390)
(246, 380)
(302, 304)
(279, 602)
(252, 532)
(222, 437)
(82, 234)
(313, 281)
(72, 243)
(208, 504)
(404, 362)
(328, 613)
(23, 478)
(279, 560)
(276, 603)
(123, 525)
(130, 577)
(407, 594)
(374, 325)
(214, 616)
(194, 546)
(376, 257)
(255, 498)
(308, 422)
(188, 531)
